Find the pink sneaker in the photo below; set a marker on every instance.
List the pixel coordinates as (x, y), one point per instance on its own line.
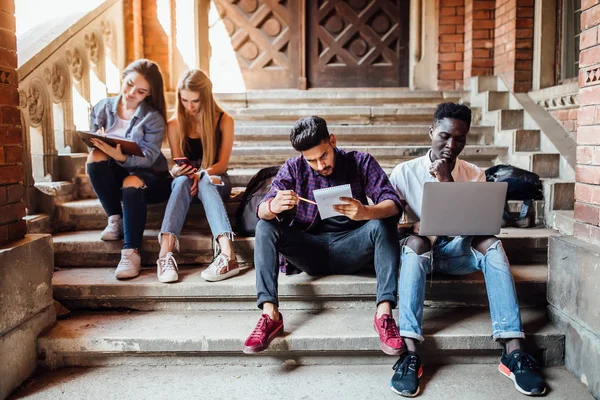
(390, 341)
(266, 329)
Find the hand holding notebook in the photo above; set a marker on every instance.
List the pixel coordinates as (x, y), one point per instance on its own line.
(127, 146)
(328, 197)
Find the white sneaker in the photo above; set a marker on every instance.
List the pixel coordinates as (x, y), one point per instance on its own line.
(114, 229)
(221, 268)
(166, 269)
(129, 266)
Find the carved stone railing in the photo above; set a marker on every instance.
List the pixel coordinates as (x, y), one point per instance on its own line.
(561, 97)
(59, 83)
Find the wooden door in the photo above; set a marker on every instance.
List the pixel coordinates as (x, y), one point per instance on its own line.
(265, 34)
(357, 43)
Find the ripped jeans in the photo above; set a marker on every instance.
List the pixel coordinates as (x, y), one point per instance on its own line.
(455, 256)
(107, 179)
(211, 196)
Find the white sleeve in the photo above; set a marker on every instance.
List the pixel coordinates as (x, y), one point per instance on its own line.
(397, 181)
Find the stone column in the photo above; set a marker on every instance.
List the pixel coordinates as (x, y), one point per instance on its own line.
(513, 43)
(12, 206)
(479, 38)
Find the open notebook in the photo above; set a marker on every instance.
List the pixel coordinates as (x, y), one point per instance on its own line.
(326, 198)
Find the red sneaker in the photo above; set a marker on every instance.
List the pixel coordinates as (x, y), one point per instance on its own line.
(390, 341)
(266, 329)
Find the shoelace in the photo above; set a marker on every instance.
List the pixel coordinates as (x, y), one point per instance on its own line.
(390, 328)
(405, 364)
(220, 262)
(523, 362)
(125, 260)
(261, 326)
(170, 262)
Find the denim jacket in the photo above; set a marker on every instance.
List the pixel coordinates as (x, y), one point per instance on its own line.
(147, 129)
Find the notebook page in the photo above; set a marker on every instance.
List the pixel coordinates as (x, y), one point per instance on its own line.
(327, 197)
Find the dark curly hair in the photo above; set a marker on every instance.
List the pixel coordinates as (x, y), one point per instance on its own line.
(308, 132)
(452, 110)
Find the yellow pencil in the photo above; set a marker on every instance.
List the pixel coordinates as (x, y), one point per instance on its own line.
(307, 200)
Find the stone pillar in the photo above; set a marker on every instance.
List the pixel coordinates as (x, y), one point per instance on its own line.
(573, 262)
(513, 43)
(156, 37)
(451, 44)
(12, 206)
(134, 38)
(479, 38)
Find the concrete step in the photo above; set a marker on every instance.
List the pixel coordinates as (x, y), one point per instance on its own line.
(89, 215)
(562, 221)
(234, 382)
(388, 156)
(356, 115)
(382, 135)
(519, 140)
(559, 194)
(337, 97)
(546, 165)
(38, 223)
(97, 288)
(85, 249)
(108, 338)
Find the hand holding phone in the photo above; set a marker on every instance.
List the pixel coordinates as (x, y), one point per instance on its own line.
(183, 166)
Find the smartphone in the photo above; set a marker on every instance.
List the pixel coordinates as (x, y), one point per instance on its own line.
(183, 161)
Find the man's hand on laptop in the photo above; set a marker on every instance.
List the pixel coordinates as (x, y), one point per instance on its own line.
(354, 209)
(441, 170)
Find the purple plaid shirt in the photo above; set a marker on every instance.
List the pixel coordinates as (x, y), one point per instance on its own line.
(360, 170)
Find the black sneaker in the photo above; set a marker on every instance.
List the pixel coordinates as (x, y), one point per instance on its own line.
(522, 368)
(405, 381)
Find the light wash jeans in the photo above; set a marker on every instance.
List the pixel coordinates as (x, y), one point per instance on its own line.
(455, 256)
(211, 196)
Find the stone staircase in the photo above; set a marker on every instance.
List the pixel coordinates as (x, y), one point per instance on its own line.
(328, 319)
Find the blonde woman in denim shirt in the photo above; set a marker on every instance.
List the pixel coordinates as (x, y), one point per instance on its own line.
(138, 113)
(203, 133)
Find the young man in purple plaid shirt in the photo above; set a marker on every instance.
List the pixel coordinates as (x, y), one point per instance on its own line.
(365, 236)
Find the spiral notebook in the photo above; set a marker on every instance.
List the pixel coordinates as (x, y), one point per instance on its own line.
(328, 197)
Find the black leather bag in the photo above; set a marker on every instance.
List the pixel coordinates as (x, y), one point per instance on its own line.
(522, 185)
(258, 187)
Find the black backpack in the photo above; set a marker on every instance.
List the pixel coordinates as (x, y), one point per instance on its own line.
(258, 187)
(522, 185)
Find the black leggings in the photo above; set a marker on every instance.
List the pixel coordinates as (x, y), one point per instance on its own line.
(107, 180)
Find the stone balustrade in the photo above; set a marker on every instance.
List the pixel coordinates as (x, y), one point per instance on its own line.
(60, 83)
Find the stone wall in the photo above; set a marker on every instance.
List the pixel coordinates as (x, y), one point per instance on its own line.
(12, 206)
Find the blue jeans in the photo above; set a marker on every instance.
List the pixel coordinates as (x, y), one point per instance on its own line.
(374, 244)
(456, 256)
(211, 196)
(107, 178)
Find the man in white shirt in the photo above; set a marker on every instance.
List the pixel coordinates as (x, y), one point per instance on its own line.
(454, 256)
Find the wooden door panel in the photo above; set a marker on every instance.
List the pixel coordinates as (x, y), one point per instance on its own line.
(357, 43)
(265, 34)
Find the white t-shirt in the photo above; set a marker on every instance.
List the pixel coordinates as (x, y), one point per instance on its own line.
(409, 179)
(119, 128)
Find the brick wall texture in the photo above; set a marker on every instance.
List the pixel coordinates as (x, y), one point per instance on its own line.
(587, 188)
(479, 38)
(12, 206)
(451, 44)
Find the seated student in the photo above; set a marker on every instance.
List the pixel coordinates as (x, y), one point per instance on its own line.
(454, 255)
(364, 236)
(203, 133)
(137, 113)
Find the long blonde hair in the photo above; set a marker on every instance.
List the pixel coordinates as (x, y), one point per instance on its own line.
(208, 114)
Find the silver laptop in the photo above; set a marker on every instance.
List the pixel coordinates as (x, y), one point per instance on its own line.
(462, 208)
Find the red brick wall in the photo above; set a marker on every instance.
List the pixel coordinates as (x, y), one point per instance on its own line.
(451, 44)
(12, 207)
(479, 38)
(134, 38)
(513, 43)
(568, 119)
(156, 41)
(587, 188)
